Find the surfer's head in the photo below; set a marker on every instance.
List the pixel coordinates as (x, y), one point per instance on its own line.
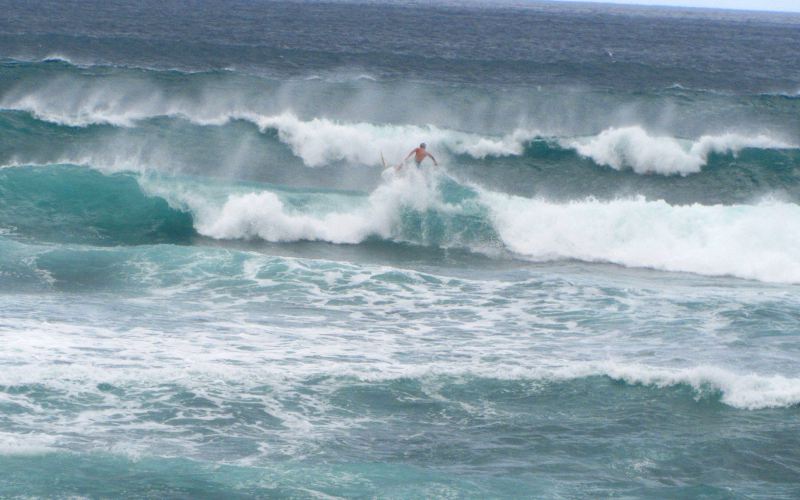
(422, 145)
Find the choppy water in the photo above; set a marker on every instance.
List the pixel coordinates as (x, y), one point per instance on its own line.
(209, 288)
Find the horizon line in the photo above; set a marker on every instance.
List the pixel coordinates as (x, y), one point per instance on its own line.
(661, 5)
(615, 3)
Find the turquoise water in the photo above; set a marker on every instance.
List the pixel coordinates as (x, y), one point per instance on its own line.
(210, 289)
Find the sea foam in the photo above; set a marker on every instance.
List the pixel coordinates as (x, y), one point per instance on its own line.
(760, 241)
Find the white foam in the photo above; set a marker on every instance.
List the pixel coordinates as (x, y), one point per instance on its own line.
(320, 141)
(211, 365)
(25, 444)
(635, 148)
(749, 391)
(263, 215)
(84, 110)
(317, 141)
(759, 241)
(56, 57)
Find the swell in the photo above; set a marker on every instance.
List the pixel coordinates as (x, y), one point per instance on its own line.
(75, 204)
(56, 63)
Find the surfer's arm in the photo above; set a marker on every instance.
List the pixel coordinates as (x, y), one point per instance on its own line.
(409, 155)
(434, 159)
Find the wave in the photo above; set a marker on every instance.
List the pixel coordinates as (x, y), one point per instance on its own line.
(428, 208)
(321, 141)
(126, 98)
(317, 141)
(785, 94)
(747, 241)
(749, 391)
(422, 208)
(75, 204)
(739, 388)
(12, 444)
(84, 62)
(59, 58)
(635, 148)
(50, 58)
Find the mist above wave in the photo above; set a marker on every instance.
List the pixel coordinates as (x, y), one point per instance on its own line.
(325, 122)
(319, 142)
(635, 148)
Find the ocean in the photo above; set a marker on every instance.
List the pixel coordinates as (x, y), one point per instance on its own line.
(211, 288)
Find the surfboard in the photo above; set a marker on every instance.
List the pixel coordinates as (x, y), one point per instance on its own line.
(388, 170)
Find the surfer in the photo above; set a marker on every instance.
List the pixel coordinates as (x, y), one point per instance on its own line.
(419, 155)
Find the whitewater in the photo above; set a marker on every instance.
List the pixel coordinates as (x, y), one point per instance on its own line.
(211, 287)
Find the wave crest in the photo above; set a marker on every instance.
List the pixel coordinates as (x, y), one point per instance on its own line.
(412, 206)
(747, 391)
(320, 141)
(748, 241)
(635, 148)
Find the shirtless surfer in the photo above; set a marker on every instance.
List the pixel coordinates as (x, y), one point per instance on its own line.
(419, 155)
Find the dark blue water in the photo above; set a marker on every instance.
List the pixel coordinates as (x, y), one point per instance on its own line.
(210, 286)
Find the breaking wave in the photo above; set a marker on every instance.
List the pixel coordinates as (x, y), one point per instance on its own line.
(635, 148)
(321, 141)
(759, 241)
